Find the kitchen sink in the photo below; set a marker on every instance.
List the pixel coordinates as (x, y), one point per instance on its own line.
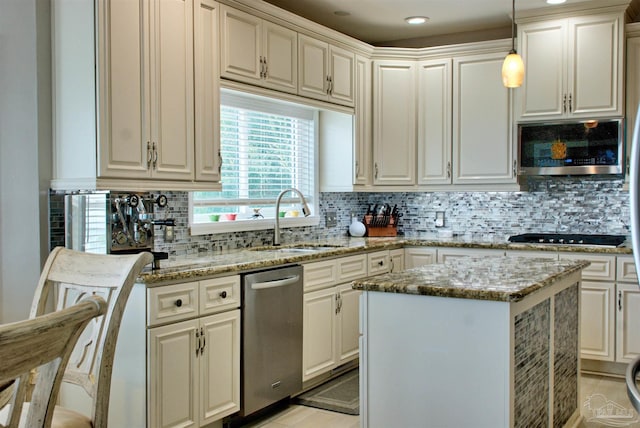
(300, 248)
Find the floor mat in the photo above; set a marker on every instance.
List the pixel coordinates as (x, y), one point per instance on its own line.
(339, 395)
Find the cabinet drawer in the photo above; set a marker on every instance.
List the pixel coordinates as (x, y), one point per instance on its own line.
(319, 275)
(601, 267)
(172, 303)
(352, 267)
(378, 262)
(551, 255)
(219, 294)
(626, 270)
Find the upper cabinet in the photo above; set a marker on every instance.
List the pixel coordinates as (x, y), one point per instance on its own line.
(573, 67)
(362, 123)
(394, 122)
(326, 72)
(140, 94)
(258, 52)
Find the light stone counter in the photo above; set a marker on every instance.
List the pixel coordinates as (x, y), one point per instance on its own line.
(206, 264)
(506, 279)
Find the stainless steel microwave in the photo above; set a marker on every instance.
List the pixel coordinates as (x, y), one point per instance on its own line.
(571, 148)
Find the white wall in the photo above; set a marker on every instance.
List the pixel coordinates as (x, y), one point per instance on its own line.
(25, 150)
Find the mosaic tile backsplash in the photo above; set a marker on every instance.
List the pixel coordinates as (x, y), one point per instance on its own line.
(554, 204)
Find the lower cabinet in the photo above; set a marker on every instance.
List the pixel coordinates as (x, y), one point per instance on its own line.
(418, 256)
(194, 369)
(597, 326)
(628, 314)
(330, 329)
(177, 363)
(396, 259)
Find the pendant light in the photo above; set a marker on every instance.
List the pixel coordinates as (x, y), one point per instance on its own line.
(513, 67)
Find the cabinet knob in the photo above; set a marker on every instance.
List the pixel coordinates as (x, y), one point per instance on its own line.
(179, 302)
(381, 263)
(223, 294)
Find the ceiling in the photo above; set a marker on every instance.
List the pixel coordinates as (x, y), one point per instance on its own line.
(378, 21)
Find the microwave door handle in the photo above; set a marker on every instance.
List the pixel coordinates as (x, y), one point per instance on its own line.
(276, 283)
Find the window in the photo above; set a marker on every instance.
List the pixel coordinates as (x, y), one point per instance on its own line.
(267, 146)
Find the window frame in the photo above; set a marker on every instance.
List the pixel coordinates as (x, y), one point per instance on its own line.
(212, 227)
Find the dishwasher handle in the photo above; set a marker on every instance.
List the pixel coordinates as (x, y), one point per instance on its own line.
(275, 283)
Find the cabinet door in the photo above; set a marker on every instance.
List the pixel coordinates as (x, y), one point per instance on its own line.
(633, 90)
(396, 258)
(280, 54)
(378, 262)
(173, 375)
(482, 128)
(342, 76)
(172, 117)
(394, 119)
(543, 48)
(597, 322)
(313, 67)
(415, 257)
(348, 323)
(628, 320)
(434, 122)
(220, 366)
(207, 91)
(362, 139)
(595, 67)
(123, 89)
(240, 44)
(319, 343)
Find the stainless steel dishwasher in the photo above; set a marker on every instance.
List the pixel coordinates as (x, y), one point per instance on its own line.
(271, 337)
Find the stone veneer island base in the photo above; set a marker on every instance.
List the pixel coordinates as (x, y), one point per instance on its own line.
(472, 343)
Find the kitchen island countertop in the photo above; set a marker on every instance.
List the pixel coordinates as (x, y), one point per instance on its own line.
(484, 278)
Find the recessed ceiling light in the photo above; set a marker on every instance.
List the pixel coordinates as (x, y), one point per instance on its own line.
(416, 20)
(555, 1)
(341, 13)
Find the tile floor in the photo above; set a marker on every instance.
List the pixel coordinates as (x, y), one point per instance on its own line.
(599, 398)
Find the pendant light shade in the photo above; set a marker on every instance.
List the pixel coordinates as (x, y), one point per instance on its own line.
(513, 67)
(513, 70)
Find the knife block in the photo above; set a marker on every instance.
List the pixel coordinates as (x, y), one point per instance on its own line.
(381, 226)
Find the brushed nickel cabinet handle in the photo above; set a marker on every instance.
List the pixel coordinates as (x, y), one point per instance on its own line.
(155, 156)
(515, 168)
(564, 103)
(570, 104)
(220, 163)
(376, 170)
(449, 169)
(149, 155)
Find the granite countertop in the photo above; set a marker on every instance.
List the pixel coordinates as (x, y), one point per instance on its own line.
(207, 264)
(505, 279)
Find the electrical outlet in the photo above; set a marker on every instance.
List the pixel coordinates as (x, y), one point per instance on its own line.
(439, 219)
(331, 219)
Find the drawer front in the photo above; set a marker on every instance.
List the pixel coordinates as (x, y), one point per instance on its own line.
(219, 294)
(551, 255)
(378, 262)
(172, 303)
(352, 267)
(626, 271)
(319, 275)
(601, 267)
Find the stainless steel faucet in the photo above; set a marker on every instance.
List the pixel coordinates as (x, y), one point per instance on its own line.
(305, 210)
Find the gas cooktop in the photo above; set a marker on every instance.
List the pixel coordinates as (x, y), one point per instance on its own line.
(569, 239)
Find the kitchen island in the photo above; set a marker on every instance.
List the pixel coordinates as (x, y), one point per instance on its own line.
(482, 342)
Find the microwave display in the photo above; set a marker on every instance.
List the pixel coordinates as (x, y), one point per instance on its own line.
(592, 147)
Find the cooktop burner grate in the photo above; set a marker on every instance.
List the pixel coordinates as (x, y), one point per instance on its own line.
(569, 239)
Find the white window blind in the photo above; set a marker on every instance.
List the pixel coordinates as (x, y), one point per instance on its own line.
(266, 147)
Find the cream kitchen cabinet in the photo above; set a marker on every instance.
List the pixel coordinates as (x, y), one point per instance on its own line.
(632, 86)
(362, 146)
(628, 315)
(330, 314)
(326, 72)
(394, 122)
(573, 67)
(194, 365)
(257, 51)
(125, 104)
(419, 256)
(435, 123)
(396, 260)
(598, 306)
(177, 363)
(465, 133)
